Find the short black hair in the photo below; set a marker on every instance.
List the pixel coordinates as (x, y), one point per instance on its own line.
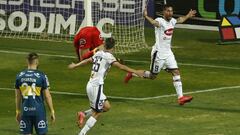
(109, 43)
(165, 6)
(31, 57)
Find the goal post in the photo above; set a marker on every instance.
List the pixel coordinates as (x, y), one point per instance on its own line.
(87, 21)
(60, 20)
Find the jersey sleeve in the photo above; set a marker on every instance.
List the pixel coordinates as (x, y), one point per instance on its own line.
(17, 84)
(45, 83)
(174, 21)
(111, 59)
(159, 20)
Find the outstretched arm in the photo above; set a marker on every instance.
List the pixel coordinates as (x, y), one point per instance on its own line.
(152, 21)
(190, 14)
(84, 62)
(128, 69)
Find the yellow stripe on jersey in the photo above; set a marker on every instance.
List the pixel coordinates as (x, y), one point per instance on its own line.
(38, 91)
(29, 91)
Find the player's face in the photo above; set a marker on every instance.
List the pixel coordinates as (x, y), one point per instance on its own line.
(168, 13)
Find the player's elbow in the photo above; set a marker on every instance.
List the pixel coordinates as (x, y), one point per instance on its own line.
(48, 96)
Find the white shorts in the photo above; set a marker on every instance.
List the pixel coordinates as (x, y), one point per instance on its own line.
(96, 97)
(157, 63)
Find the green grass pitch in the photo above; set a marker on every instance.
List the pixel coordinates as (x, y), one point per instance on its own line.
(203, 64)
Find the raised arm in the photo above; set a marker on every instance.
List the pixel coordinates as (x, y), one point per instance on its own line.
(151, 20)
(190, 14)
(84, 62)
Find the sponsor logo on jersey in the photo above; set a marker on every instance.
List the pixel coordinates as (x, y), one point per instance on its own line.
(169, 32)
(29, 109)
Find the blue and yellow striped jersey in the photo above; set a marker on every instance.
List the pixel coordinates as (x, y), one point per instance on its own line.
(31, 84)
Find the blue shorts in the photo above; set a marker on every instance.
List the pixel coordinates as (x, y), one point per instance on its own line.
(39, 123)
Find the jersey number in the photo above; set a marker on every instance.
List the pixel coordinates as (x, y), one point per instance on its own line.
(96, 63)
(28, 90)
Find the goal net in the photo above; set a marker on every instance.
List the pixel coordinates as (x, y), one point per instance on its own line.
(60, 20)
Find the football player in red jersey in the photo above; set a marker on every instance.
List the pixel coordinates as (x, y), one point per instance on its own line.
(87, 41)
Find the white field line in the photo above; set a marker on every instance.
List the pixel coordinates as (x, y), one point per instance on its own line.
(139, 99)
(68, 56)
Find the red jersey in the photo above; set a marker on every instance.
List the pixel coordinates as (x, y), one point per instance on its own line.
(88, 38)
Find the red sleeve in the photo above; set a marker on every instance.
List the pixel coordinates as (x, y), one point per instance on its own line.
(87, 55)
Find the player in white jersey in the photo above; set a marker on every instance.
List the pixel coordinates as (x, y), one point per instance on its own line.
(162, 55)
(102, 61)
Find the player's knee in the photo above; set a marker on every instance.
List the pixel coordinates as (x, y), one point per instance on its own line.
(175, 72)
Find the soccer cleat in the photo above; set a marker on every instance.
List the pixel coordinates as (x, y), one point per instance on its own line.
(128, 77)
(184, 99)
(80, 119)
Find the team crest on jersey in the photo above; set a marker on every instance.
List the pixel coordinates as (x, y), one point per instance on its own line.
(41, 124)
(169, 32)
(82, 42)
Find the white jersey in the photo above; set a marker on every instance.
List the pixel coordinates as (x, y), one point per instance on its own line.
(102, 61)
(163, 36)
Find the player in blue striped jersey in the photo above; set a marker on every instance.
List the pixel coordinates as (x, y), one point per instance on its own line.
(32, 87)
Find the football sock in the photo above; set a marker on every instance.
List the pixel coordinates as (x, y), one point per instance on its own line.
(88, 112)
(178, 85)
(147, 74)
(89, 124)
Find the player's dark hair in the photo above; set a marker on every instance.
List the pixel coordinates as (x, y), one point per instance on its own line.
(109, 43)
(31, 57)
(165, 6)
